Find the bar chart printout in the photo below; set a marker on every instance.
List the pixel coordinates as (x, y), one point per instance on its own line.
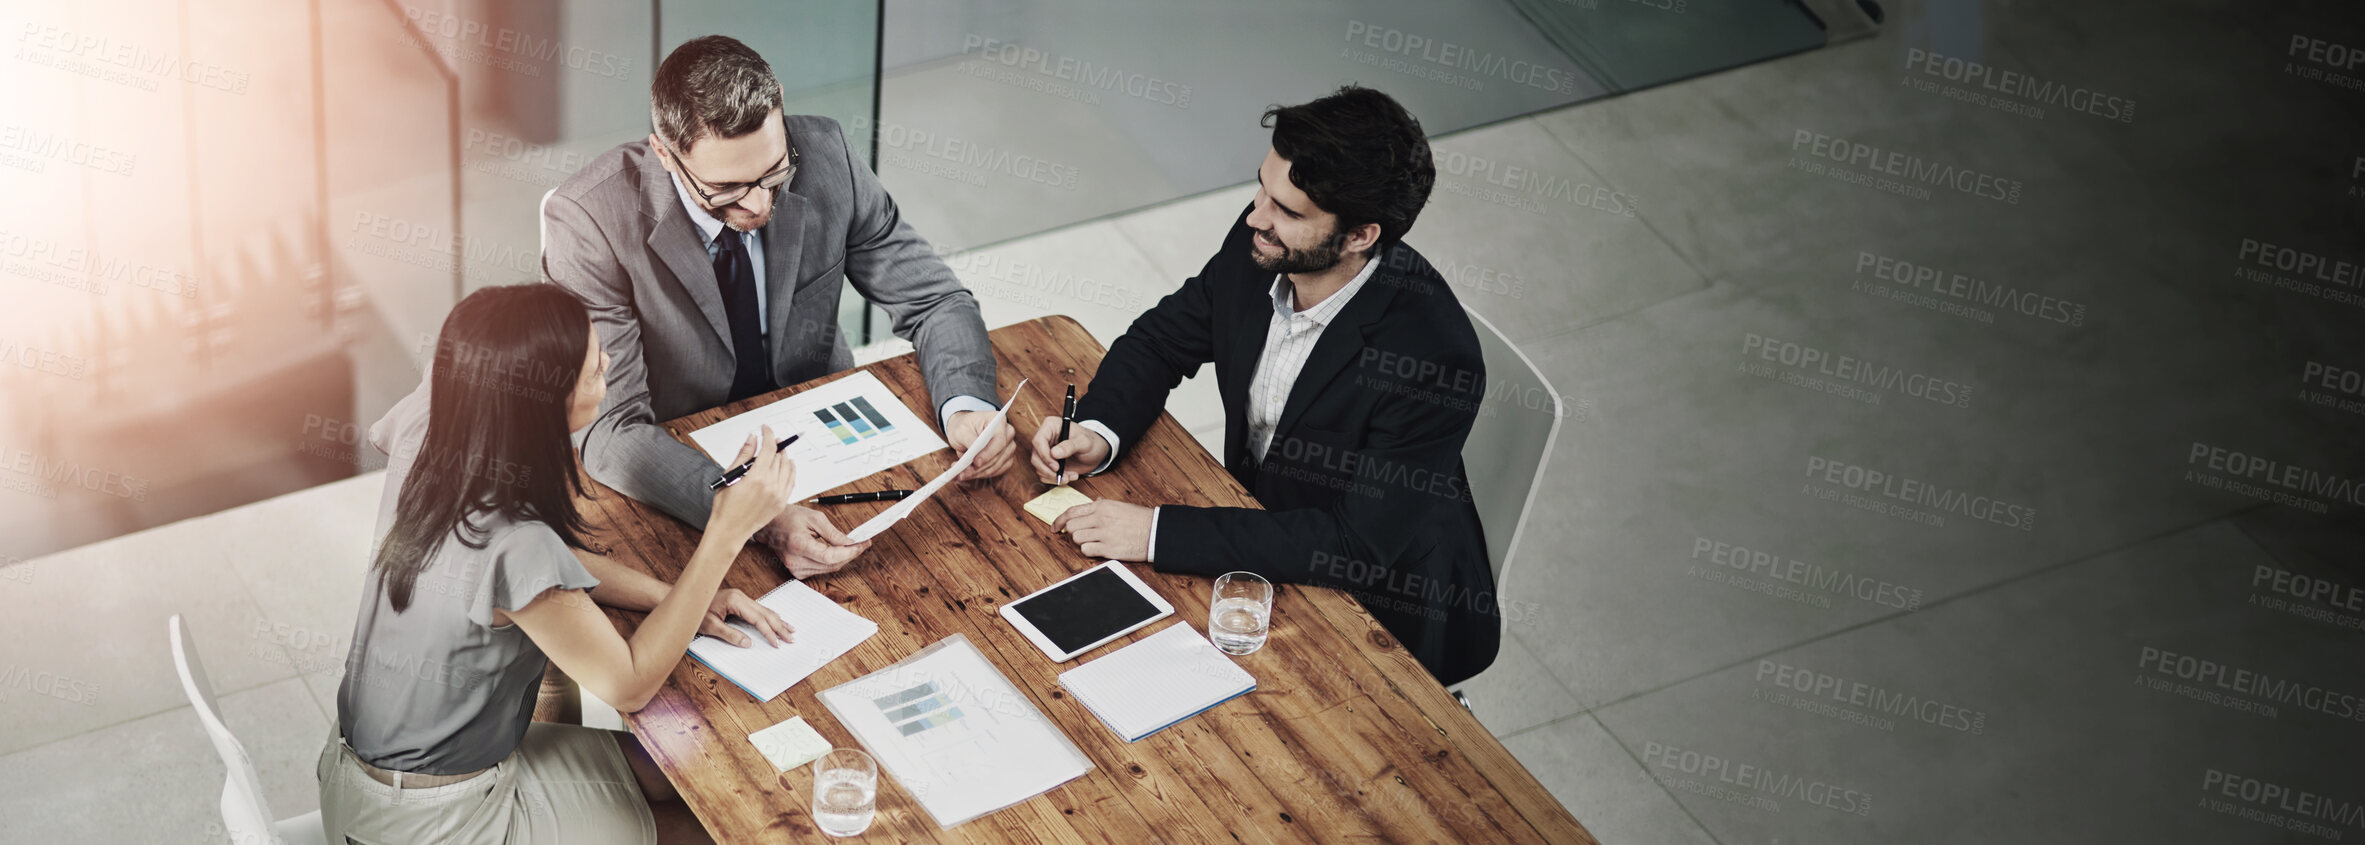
(849, 429)
(954, 733)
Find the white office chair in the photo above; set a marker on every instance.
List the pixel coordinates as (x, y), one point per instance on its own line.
(542, 223)
(1509, 444)
(245, 814)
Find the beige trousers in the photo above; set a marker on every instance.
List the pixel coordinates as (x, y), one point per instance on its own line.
(563, 784)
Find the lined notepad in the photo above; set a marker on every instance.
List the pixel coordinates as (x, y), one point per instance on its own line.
(1156, 682)
(824, 632)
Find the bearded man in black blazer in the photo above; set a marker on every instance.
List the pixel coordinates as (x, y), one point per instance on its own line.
(1350, 378)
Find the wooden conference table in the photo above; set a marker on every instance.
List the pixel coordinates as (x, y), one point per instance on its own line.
(1345, 737)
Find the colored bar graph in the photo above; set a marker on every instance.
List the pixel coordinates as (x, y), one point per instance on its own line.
(923, 723)
(861, 426)
(904, 696)
(917, 708)
(862, 403)
(838, 428)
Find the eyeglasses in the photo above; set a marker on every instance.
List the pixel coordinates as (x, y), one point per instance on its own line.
(784, 170)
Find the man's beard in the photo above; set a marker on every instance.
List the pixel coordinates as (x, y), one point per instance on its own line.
(1315, 259)
(741, 225)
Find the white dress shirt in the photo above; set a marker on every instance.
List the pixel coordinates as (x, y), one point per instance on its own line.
(1289, 340)
(709, 227)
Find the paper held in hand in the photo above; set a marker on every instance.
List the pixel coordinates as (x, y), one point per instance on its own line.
(879, 524)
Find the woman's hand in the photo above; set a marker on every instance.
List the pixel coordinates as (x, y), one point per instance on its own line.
(758, 496)
(730, 602)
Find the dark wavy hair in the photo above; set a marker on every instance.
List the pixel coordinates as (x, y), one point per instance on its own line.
(504, 375)
(1359, 155)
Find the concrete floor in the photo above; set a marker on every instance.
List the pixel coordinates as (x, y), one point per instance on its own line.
(2046, 721)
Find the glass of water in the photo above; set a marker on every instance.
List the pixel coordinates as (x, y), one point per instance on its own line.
(845, 791)
(1242, 607)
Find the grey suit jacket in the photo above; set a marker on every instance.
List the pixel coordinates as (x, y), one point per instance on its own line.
(620, 240)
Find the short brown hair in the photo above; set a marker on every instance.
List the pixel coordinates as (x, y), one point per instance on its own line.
(711, 85)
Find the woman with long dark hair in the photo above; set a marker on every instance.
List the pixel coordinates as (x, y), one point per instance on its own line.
(485, 572)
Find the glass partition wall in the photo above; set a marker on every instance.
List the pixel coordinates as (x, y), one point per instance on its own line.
(1002, 118)
(235, 229)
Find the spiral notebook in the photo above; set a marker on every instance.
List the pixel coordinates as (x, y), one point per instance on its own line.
(1158, 681)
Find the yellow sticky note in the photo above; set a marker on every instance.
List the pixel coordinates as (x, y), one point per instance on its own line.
(1056, 501)
(790, 744)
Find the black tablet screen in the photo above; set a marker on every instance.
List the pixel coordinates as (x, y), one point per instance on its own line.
(1086, 610)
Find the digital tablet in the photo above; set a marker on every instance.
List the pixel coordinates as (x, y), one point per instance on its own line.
(1086, 611)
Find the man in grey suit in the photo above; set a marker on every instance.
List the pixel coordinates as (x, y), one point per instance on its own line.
(712, 256)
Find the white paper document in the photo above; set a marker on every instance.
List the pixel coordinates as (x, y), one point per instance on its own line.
(1157, 681)
(824, 632)
(849, 429)
(954, 733)
(886, 518)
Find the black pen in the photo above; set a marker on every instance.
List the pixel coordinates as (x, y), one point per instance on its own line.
(1067, 415)
(850, 498)
(740, 471)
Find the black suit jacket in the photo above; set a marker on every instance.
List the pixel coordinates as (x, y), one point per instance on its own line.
(1363, 481)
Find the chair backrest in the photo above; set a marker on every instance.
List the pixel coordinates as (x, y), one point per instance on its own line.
(244, 812)
(542, 223)
(1509, 444)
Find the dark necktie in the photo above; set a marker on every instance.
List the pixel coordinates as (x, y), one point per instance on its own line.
(734, 275)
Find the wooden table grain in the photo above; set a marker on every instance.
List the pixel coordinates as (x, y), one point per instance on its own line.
(1345, 738)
